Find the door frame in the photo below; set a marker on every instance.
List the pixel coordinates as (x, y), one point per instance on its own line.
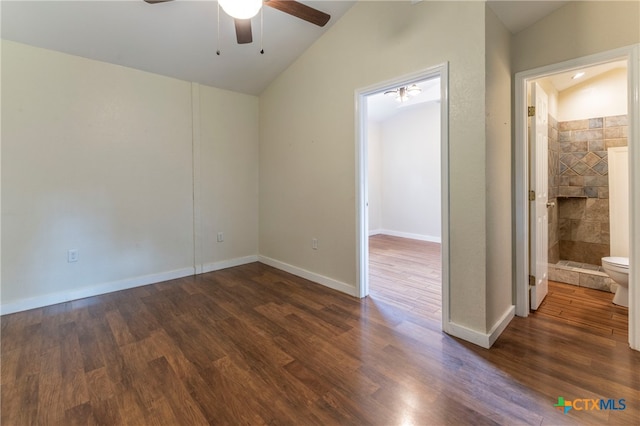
(632, 55)
(362, 218)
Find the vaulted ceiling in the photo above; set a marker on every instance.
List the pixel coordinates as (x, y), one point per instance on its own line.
(180, 38)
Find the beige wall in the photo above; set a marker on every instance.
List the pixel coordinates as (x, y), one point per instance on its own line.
(229, 175)
(307, 139)
(498, 171)
(579, 28)
(99, 158)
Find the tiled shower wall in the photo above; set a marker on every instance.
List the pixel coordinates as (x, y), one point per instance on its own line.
(582, 204)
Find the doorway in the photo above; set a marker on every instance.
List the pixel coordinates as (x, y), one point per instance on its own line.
(524, 242)
(436, 79)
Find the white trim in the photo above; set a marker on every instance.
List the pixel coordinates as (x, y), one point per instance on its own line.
(485, 340)
(632, 55)
(311, 276)
(94, 290)
(362, 219)
(634, 200)
(230, 263)
(409, 235)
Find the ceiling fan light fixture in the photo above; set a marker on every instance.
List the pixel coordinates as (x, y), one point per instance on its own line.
(241, 9)
(402, 94)
(413, 90)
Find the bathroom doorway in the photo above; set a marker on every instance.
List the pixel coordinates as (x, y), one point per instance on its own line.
(579, 134)
(407, 203)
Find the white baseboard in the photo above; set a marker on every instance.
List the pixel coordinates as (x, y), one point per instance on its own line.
(311, 276)
(94, 290)
(485, 340)
(216, 266)
(420, 237)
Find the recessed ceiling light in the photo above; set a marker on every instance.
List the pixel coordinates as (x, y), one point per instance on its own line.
(578, 75)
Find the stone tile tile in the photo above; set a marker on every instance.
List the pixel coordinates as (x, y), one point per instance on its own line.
(554, 253)
(605, 232)
(590, 267)
(586, 231)
(587, 135)
(553, 122)
(576, 180)
(597, 210)
(569, 159)
(564, 276)
(603, 192)
(564, 136)
(579, 146)
(553, 134)
(572, 208)
(596, 123)
(573, 125)
(564, 229)
(596, 282)
(601, 154)
(591, 191)
(596, 181)
(571, 191)
(565, 180)
(584, 252)
(613, 143)
(580, 168)
(591, 159)
(602, 168)
(596, 145)
(616, 132)
(616, 120)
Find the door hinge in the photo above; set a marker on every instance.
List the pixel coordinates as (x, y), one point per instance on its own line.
(531, 111)
(532, 281)
(532, 195)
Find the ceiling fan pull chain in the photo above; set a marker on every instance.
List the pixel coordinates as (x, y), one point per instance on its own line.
(218, 40)
(262, 31)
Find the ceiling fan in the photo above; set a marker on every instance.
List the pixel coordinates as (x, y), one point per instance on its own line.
(243, 10)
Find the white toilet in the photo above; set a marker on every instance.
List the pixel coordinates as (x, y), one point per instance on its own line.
(618, 270)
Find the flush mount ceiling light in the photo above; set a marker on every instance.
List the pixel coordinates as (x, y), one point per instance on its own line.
(577, 75)
(402, 94)
(241, 9)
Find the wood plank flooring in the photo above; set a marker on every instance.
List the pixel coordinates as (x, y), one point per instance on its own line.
(254, 345)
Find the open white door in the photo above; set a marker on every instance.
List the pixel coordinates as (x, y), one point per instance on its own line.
(539, 182)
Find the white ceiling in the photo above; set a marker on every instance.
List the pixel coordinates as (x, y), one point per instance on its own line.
(179, 38)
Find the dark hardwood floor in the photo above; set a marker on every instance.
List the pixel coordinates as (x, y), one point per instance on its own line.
(254, 345)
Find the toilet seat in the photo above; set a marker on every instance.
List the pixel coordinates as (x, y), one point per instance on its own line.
(620, 262)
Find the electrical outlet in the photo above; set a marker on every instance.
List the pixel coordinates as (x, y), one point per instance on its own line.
(314, 243)
(72, 255)
(220, 237)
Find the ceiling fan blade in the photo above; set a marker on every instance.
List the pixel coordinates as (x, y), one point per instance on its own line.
(243, 31)
(300, 10)
(156, 1)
